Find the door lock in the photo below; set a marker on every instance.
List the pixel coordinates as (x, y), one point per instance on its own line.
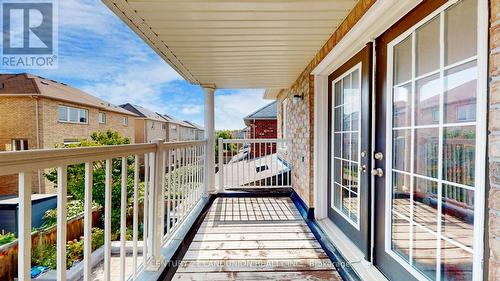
(378, 156)
(378, 172)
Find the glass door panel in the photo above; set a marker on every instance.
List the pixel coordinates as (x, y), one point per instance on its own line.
(431, 174)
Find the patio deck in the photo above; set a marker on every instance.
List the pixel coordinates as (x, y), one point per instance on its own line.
(255, 239)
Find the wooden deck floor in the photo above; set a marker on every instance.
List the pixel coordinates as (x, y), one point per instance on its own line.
(255, 239)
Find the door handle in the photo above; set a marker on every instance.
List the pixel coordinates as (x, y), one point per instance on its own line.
(378, 172)
(378, 156)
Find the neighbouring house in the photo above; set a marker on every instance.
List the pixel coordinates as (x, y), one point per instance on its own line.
(149, 125)
(38, 113)
(187, 131)
(199, 131)
(173, 128)
(262, 124)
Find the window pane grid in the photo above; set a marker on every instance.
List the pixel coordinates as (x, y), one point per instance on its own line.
(346, 109)
(446, 183)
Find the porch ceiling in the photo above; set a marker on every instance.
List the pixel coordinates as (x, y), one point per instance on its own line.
(235, 43)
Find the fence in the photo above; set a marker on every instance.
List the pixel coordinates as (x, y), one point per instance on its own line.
(172, 183)
(253, 163)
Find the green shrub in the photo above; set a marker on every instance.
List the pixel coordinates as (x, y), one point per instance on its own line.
(7, 237)
(75, 208)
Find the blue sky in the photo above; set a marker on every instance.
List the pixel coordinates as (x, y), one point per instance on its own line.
(99, 54)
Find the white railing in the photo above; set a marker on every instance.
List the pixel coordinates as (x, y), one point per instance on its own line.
(253, 163)
(173, 180)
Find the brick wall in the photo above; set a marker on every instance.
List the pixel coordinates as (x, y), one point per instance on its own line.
(300, 123)
(54, 132)
(17, 121)
(494, 143)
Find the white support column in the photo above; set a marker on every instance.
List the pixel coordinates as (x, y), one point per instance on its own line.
(320, 156)
(209, 180)
(24, 226)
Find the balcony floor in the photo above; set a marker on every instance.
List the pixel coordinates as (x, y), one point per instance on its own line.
(255, 239)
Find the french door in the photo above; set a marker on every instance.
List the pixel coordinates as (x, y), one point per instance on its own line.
(349, 132)
(429, 200)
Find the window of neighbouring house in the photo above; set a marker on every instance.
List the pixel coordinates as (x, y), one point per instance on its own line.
(19, 144)
(152, 125)
(466, 112)
(102, 118)
(73, 114)
(163, 126)
(71, 141)
(125, 121)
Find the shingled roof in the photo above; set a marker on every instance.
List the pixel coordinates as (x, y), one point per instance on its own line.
(267, 112)
(143, 112)
(23, 84)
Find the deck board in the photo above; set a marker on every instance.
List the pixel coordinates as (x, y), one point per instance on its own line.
(255, 239)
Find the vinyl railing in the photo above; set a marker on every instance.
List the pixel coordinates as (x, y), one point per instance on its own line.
(173, 178)
(253, 163)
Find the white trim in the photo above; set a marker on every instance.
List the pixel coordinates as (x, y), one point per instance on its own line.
(351, 252)
(376, 21)
(320, 158)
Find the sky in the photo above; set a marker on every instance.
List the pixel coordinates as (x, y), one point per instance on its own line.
(101, 55)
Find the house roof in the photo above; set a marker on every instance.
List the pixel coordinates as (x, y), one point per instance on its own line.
(269, 111)
(194, 125)
(143, 112)
(172, 119)
(28, 84)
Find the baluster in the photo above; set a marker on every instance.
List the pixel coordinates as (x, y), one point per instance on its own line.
(87, 228)
(123, 218)
(135, 219)
(107, 221)
(62, 212)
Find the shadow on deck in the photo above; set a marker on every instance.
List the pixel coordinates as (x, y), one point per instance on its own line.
(254, 238)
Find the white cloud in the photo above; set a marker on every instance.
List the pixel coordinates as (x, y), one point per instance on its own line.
(192, 109)
(230, 108)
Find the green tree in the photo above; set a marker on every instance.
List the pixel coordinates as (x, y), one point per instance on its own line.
(76, 174)
(225, 134)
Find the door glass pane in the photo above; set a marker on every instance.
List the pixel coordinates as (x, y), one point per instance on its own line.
(460, 93)
(401, 108)
(461, 31)
(400, 242)
(336, 196)
(338, 93)
(434, 103)
(425, 201)
(459, 154)
(402, 61)
(427, 100)
(401, 194)
(424, 251)
(427, 44)
(346, 141)
(458, 214)
(401, 150)
(426, 152)
(456, 262)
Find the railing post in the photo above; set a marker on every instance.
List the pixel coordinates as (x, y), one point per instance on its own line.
(24, 236)
(221, 164)
(155, 209)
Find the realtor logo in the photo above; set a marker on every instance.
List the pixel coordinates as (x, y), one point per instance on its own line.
(29, 34)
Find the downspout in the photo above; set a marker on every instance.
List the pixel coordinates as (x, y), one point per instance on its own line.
(37, 128)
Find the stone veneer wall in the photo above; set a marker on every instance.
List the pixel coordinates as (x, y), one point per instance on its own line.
(494, 143)
(300, 123)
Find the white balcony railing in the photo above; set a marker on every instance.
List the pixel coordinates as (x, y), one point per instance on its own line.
(173, 178)
(253, 163)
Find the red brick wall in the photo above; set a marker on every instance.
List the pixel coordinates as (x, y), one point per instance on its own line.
(263, 129)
